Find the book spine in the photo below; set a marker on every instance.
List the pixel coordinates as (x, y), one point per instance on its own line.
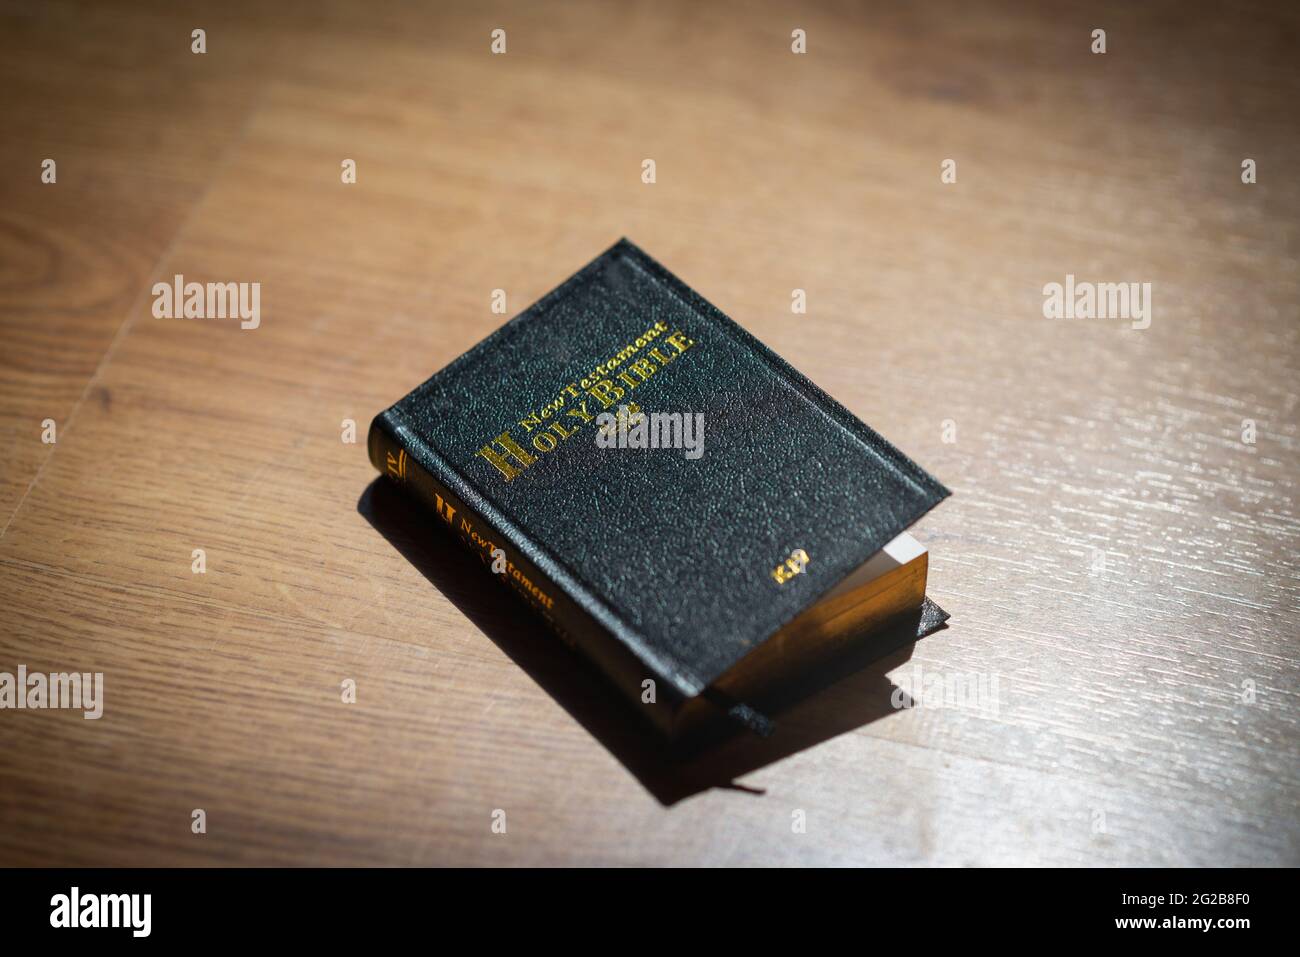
(393, 451)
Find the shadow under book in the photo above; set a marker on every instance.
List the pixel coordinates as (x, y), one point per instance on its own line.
(699, 584)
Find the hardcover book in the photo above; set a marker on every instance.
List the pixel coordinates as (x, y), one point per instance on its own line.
(670, 496)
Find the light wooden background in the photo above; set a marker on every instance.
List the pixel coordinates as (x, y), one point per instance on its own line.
(1123, 733)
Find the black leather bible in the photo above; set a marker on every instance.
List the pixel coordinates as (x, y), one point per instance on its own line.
(667, 493)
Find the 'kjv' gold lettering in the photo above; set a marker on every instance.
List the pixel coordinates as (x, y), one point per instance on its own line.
(792, 566)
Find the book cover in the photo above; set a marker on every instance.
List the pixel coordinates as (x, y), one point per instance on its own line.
(754, 494)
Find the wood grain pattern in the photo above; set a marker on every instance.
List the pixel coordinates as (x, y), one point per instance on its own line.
(1114, 553)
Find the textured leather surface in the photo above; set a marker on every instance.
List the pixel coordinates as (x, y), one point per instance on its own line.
(673, 556)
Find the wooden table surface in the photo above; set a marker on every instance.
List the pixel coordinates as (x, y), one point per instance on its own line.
(1117, 555)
